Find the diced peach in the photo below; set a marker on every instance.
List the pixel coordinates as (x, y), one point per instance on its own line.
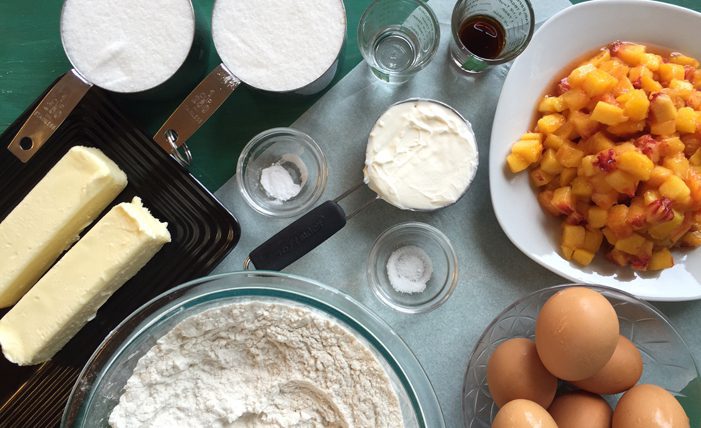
(593, 240)
(670, 71)
(553, 141)
(681, 88)
(563, 200)
(587, 167)
(618, 257)
(664, 230)
(649, 84)
(550, 164)
(675, 189)
(603, 56)
(691, 239)
(566, 252)
(550, 123)
(631, 53)
(532, 136)
(604, 199)
(567, 175)
(627, 128)
(608, 114)
(516, 163)
(630, 244)
(577, 76)
(635, 104)
(637, 213)
(636, 164)
(545, 200)
(573, 236)
(662, 108)
(677, 163)
(582, 257)
(569, 156)
(575, 99)
(596, 217)
(566, 131)
(598, 82)
(610, 236)
(672, 146)
(686, 120)
(681, 59)
(661, 259)
(651, 61)
(663, 128)
(551, 105)
(622, 182)
(583, 124)
(540, 178)
(581, 187)
(529, 150)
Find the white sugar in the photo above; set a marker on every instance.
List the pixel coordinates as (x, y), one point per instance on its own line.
(409, 269)
(127, 45)
(278, 183)
(278, 45)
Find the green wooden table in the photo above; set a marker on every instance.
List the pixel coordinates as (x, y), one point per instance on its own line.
(31, 57)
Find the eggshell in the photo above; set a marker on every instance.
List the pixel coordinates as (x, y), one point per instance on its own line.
(514, 371)
(619, 374)
(649, 406)
(581, 410)
(576, 333)
(523, 414)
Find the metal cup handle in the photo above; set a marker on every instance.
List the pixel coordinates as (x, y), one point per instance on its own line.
(48, 115)
(195, 109)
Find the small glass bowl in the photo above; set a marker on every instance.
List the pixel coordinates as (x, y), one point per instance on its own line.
(438, 248)
(295, 151)
(667, 361)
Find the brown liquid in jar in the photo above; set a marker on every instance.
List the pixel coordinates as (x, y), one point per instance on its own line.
(483, 36)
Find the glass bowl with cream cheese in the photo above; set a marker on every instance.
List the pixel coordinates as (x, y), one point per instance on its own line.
(281, 172)
(412, 267)
(252, 349)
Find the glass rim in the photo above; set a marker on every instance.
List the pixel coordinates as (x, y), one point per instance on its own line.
(419, 65)
(499, 60)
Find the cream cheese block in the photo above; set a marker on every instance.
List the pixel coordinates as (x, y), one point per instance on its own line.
(70, 294)
(50, 218)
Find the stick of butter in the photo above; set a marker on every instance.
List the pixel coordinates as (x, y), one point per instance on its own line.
(50, 218)
(72, 291)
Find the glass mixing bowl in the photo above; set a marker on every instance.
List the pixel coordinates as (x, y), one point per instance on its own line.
(667, 361)
(100, 384)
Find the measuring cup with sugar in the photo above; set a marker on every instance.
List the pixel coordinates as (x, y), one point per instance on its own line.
(421, 156)
(122, 46)
(274, 46)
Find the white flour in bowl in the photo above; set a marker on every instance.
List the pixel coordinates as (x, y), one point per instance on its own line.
(127, 45)
(278, 45)
(255, 364)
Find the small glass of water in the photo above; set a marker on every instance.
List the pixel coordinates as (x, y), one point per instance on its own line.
(489, 32)
(398, 38)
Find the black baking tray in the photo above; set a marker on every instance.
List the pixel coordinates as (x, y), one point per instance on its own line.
(203, 232)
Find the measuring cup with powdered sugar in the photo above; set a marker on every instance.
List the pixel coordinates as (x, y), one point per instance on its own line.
(122, 46)
(421, 156)
(270, 45)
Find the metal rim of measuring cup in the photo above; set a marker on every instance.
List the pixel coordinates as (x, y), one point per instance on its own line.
(80, 74)
(531, 29)
(320, 77)
(469, 127)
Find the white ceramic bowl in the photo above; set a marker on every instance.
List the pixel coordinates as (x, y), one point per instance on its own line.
(567, 36)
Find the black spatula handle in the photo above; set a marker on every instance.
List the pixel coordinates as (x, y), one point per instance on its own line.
(300, 237)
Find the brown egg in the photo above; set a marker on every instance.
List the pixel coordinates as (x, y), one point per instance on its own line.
(576, 333)
(619, 374)
(581, 410)
(649, 406)
(523, 414)
(515, 371)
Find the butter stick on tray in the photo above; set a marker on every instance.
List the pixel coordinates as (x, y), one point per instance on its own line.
(50, 218)
(72, 291)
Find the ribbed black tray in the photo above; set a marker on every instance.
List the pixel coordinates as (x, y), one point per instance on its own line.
(202, 230)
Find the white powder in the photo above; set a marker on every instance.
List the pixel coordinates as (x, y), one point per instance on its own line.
(278, 45)
(278, 183)
(409, 268)
(127, 45)
(258, 364)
